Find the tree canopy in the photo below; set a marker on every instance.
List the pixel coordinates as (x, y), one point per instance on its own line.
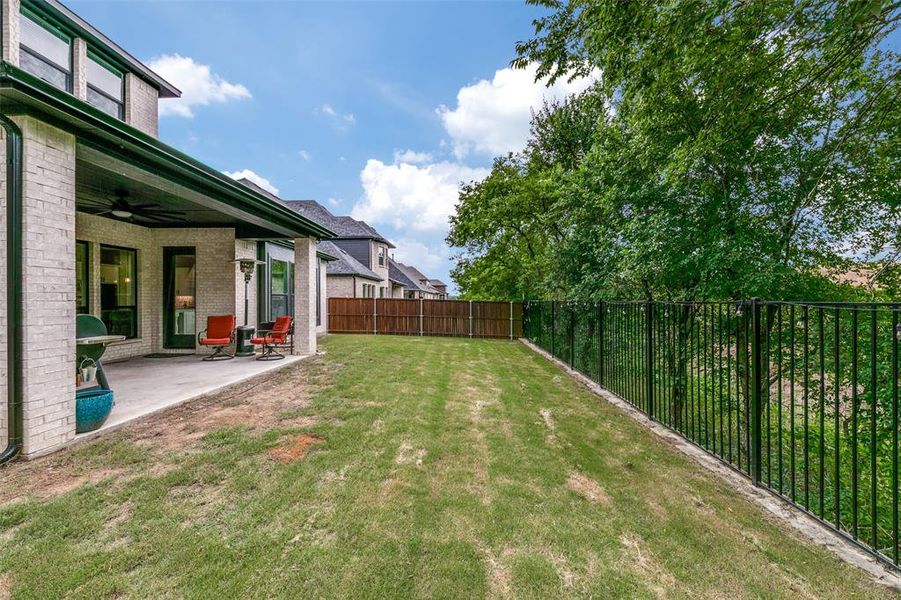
(727, 149)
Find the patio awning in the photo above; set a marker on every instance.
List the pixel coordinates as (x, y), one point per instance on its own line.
(112, 154)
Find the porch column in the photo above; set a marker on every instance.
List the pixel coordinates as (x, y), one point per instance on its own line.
(304, 296)
(48, 190)
(9, 31)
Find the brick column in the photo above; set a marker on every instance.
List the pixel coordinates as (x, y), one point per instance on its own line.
(80, 69)
(9, 31)
(304, 296)
(48, 190)
(141, 105)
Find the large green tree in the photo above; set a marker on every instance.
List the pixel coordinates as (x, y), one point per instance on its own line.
(729, 149)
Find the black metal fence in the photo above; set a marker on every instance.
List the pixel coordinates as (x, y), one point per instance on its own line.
(800, 397)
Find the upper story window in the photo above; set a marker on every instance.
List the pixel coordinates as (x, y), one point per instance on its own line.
(105, 90)
(46, 53)
(381, 256)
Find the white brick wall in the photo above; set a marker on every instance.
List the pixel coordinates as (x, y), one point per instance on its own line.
(4, 373)
(10, 31)
(141, 105)
(49, 285)
(304, 296)
(80, 69)
(322, 328)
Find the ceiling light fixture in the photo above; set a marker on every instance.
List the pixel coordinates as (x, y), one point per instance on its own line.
(122, 214)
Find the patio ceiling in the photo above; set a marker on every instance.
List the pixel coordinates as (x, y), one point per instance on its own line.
(100, 179)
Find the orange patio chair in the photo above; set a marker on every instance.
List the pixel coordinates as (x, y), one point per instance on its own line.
(272, 338)
(219, 333)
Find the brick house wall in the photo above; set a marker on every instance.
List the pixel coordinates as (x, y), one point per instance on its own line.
(4, 373)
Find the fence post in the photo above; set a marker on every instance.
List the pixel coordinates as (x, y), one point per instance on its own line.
(572, 335)
(470, 318)
(600, 342)
(756, 379)
(553, 327)
(420, 317)
(375, 317)
(511, 319)
(649, 365)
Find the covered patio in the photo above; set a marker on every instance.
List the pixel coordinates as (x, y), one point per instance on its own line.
(145, 386)
(116, 224)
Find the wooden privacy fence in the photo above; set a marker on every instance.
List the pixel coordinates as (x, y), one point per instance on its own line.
(453, 318)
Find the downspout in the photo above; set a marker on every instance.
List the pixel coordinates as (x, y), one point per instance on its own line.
(14, 298)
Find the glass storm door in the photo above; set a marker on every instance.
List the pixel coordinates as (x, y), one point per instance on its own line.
(179, 316)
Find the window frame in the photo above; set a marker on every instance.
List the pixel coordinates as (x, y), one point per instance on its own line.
(289, 286)
(382, 253)
(84, 309)
(120, 102)
(26, 13)
(135, 315)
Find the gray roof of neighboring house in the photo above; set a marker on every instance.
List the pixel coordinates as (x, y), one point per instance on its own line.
(345, 227)
(437, 282)
(345, 264)
(409, 276)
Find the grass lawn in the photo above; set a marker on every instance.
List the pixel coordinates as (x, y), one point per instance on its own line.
(396, 467)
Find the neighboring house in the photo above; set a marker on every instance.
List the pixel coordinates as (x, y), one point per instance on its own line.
(116, 223)
(415, 284)
(366, 246)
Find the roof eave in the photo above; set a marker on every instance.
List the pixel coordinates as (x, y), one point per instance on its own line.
(92, 120)
(92, 34)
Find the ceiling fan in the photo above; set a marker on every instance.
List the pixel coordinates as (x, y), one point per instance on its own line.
(120, 208)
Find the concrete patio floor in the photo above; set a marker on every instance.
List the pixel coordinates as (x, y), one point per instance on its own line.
(143, 386)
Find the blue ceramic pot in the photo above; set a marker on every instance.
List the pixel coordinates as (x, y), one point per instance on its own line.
(92, 407)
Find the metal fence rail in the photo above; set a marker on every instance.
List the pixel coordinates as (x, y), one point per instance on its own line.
(800, 397)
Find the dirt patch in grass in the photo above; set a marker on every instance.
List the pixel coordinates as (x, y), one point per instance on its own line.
(295, 449)
(155, 443)
(661, 581)
(587, 488)
(407, 455)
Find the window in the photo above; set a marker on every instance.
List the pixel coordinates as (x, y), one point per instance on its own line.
(281, 290)
(82, 280)
(119, 290)
(381, 256)
(45, 53)
(104, 87)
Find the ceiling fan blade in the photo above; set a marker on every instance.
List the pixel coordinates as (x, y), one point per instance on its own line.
(146, 206)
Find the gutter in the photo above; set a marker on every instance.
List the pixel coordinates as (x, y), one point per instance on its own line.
(14, 297)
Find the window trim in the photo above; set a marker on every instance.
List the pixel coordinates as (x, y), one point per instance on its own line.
(137, 300)
(48, 26)
(120, 102)
(289, 286)
(86, 273)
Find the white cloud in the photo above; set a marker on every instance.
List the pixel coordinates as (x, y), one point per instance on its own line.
(406, 196)
(248, 174)
(427, 258)
(198, 84)
(304, 154)
(341, 120)
(334, 202)
(412, 157)
(493, 116)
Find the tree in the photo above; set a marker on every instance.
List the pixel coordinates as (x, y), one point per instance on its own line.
(730, 149)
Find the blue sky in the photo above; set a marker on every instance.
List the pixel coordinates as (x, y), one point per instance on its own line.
(376, 109)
